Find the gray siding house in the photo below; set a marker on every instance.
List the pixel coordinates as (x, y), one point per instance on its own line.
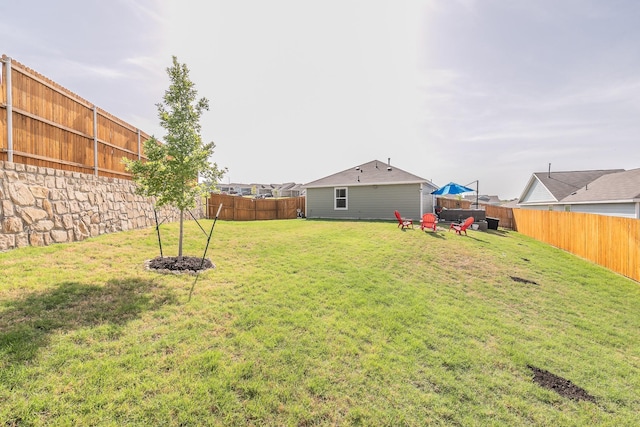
(369, 191)
(613, 192)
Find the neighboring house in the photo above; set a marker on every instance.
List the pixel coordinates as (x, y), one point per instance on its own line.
(263, 190)
(513, 204)
(233, 188)
(372, 190)
(290, 189)
(483, 199)
(613, 192)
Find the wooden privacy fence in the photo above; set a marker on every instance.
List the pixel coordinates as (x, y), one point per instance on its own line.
(238, 208)
(611, 242)
(504, 215)
(44, 124)
(453, 203)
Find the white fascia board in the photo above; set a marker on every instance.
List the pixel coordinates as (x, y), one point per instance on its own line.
(527, 187)
(362, 184)
(600, 202)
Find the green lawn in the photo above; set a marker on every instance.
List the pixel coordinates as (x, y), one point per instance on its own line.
(307, 323)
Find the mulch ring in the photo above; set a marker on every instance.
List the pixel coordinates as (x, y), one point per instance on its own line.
(179, 265)
(563, 387)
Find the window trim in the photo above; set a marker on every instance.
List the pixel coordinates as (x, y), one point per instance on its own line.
(345, 198)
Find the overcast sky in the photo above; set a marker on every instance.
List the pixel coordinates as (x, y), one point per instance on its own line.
(488, 90)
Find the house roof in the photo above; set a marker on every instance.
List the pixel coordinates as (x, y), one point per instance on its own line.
(374, 172)
(619, 186)
(287, 186)
(483, 198)
(562, 184)
(511, 204)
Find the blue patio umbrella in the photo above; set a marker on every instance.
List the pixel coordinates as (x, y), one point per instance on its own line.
(452, 188)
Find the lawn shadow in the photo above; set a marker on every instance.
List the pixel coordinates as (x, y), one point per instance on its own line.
(26, 323)
(469, 235)
(472, 237)
(500, 233)
(435, 234)
(404, 230)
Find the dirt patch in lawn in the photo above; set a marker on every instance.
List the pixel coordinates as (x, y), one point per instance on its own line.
(521, 280)
(177, 265)
(563, 387)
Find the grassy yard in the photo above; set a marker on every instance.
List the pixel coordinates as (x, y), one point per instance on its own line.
(315, 323)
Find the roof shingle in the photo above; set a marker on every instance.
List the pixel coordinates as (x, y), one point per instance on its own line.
(374, 172)
(617, 186)
(562, 184)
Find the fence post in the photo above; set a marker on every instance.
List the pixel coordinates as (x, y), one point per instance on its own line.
(95, 140)
(234, 209)
(7, 61)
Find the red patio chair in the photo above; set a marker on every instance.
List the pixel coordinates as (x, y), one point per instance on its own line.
(429, 220)
(460, 227)
(403, 222)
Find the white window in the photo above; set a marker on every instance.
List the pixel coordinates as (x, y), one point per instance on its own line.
(340, 198)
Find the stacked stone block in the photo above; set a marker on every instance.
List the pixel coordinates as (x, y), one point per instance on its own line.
(41, 206)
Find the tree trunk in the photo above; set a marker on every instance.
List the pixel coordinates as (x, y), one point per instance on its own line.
(181, 232)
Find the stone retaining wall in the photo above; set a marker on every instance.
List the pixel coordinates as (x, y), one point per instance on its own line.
(41, 206)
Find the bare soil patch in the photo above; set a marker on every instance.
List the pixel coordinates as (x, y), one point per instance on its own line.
(560, 385)
(521, 280)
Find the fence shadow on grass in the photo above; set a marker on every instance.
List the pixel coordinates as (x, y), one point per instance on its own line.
(25, 324)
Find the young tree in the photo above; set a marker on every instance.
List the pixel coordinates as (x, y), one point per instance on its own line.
(177, 171)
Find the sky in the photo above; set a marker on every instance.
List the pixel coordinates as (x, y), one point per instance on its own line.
(449, 90)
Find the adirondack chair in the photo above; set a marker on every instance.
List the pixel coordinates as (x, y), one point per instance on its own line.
(460, 227)
(403, 222)
(429, 220)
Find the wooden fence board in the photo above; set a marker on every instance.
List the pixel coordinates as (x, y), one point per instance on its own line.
(288, 208)
(235, 208)
(265, 208)
(612, 242)
(53, 127)
(453, 203)
(3, 115)
(504, 215)
(633, 241)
